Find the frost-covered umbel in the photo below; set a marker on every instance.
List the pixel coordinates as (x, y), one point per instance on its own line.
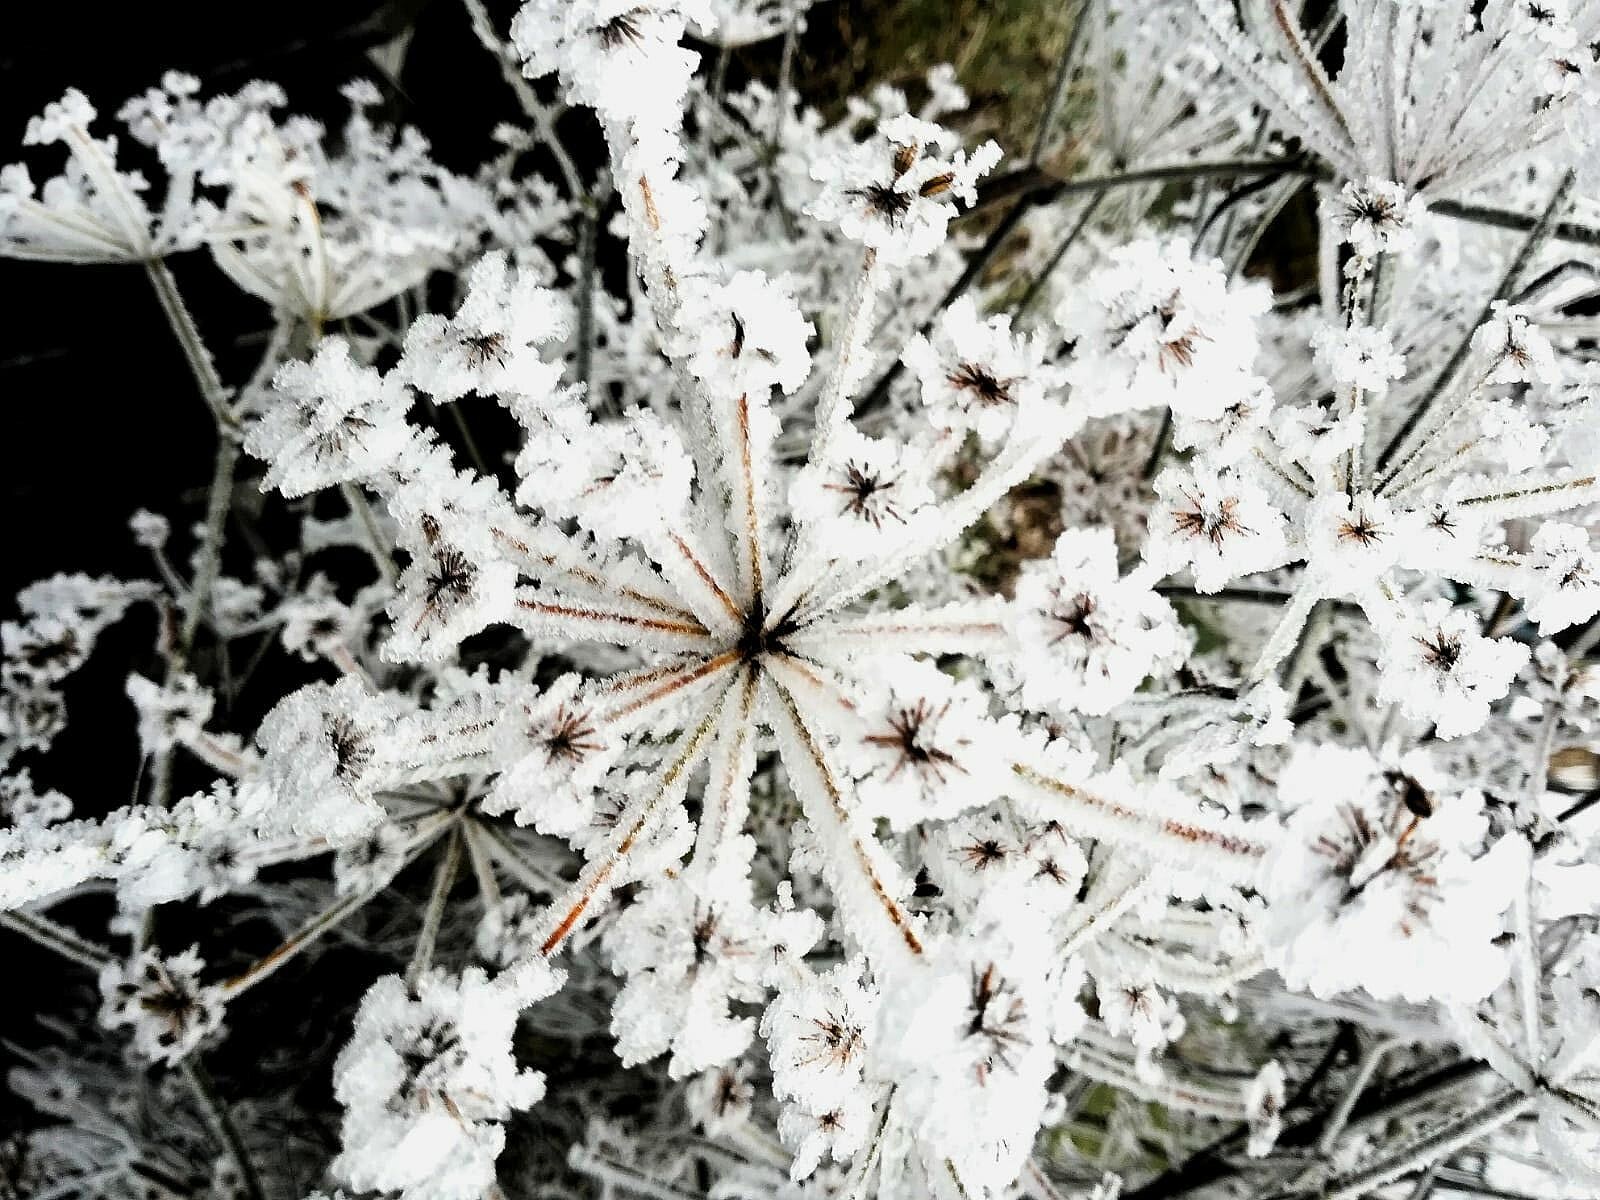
(957, 687)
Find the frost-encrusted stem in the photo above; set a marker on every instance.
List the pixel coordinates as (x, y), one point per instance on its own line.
(726, 801)
(422, 836)
(508, 855)
(856, 1185)
(858, 868)
(588, 241)
(611, 1174)
(195, 353)
(1187, 1096)
(1455, 1134)
(56, 938)
(1538, 236)
(1340, 1115)
(1108, 899)
(444, 878)
(219, 500)
(1226, 849)
(222, 1125)
(382, 558)
(1284, 636)
(478, 855)
(834, 401)
(635, 823)
(511, 71)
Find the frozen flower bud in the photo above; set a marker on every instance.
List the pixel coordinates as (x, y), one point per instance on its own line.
(1513, 350)
(169, 713)
(31, 715)
(91, 212)
(620, 481)
(149, 530)
(742, 336)
(838, 1133)
(720, 1100)
(162, 999)
(491, 344)
(1351, 541)
(893, 193)
(976, 375)
(47, 648)
(1361, 356)
(321, 746)
(332, 421)
(457, 583)
(816, 1030)
(1133, 1007)
(1221, 525)
(510, 931)
(428, 1080)
(1225, 439)
(1156, 327)
(1439, 668)
(1313, 435)
(963, 1034)
(620, 57)
(868, 495)
(1376, 217)
(1363, 891)
(1263, 1104)
(1566, 587)
(557, 753)
(1100, 634)
(21, 807)
(369, 862)
(927, 748)
(317, 624)
(692, 949)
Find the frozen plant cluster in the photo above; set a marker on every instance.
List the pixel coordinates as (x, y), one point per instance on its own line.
(959, 676)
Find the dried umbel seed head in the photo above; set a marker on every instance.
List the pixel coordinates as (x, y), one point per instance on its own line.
(1213, 524)
(983, 385)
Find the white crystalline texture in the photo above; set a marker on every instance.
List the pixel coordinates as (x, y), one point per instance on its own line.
(170, 1011)
(1438, 667)
(1366, 892)
(1155, 326)
(620, 57)
(321, 748)
(1219, 524)
(491, 345)
(1100, 633)
(428, 1080)
(339, 422)
(895, 192)
(976, 374)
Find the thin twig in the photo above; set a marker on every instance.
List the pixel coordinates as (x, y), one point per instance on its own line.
(444, 878)
(222, 1125)
(57, 938)
(1537, 237)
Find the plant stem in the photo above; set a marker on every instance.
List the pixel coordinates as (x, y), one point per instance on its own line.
(423, 835)
(222, 1125)
(381, 556)
(193, 346)
(443, 878)
(42, 931)
(219, 500)
(1538, 235)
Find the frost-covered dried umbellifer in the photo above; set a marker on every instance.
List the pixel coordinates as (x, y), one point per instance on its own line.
(898, 716)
